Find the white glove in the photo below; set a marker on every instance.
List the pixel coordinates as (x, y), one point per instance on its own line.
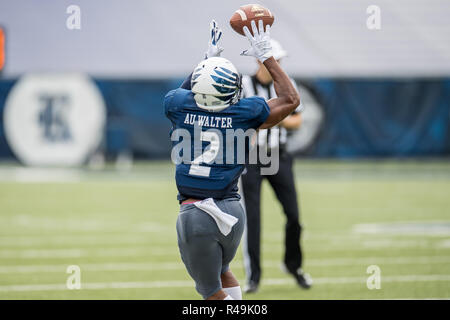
(213, 49)
(260, 42)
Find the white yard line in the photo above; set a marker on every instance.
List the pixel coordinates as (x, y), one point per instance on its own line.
(36, 175)
(28, 222)
(429, 227)
(161, 266)
(377, 260)
(61, 268)
(189, 283)
(87, 252)
(131, 237)
(21, 240)
(141, 250)
(97, 241)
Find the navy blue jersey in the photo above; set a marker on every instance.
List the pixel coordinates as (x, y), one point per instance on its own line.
(215, 179)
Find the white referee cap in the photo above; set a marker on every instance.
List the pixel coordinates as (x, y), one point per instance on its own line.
(277, 50)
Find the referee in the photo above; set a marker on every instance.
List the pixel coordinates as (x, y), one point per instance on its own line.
(260, 84)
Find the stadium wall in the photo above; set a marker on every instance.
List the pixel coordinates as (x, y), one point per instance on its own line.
(362, 117)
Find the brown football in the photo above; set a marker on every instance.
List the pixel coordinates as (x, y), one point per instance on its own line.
(245, 14)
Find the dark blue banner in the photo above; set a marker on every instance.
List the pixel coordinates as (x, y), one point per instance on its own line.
(376, 118)
(361, 117)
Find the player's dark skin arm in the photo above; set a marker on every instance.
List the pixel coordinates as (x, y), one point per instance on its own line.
(287, 96)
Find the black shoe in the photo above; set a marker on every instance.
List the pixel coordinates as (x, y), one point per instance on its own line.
(303, 279)
(251, 287)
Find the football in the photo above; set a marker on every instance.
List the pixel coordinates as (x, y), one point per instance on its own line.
(245, 14)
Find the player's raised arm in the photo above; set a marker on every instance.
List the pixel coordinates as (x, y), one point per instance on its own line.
(214, 50)
(287, 96)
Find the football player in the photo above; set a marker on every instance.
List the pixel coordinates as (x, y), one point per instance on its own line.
(207, 106)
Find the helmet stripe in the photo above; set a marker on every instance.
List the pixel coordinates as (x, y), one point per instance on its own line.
(225, 98)
(223, 81)
(228, 71)
(224, 89)
(225, 75)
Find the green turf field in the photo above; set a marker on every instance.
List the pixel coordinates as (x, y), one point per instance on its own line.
(119, 228)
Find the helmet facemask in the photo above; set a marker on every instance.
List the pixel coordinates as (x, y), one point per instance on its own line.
(238, 94)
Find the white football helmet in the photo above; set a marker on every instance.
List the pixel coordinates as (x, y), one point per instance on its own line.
(216, 84)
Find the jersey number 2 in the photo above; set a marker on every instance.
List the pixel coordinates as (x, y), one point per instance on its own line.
(208, 155)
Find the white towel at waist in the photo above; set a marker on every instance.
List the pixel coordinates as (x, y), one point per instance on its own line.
(224, 221)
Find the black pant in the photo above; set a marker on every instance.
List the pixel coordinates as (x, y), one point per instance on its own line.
(284, 186)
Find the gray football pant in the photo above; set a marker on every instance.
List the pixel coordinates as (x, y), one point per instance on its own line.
(205, 251)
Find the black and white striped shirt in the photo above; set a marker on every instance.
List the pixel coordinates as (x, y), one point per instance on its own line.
(277, 135)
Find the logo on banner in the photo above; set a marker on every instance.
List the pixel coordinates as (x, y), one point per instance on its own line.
(312, 118)
(54, 119)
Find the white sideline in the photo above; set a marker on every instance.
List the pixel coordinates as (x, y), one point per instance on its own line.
(152, 266)
(189, 283)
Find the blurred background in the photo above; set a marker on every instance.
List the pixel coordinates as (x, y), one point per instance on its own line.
(85, 171)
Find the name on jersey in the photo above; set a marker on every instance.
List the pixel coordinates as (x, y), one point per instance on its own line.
(209, 121)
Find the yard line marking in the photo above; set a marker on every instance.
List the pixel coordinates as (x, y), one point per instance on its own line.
(444, 244)
(145, 250)
(152, 266)
(78, 253)
(98, 239)
(144, 247)
(94, 267)
(190, 283)
(378, 260)
(433, 227)
(101, 239)
(362, 280)
(364, 245)
(36, 175)
(134, 238)
(149, 252)
(29, 222)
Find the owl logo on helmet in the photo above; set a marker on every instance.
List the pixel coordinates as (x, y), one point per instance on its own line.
(216, 84)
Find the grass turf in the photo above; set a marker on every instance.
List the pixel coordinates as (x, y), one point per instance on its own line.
(119, 228)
